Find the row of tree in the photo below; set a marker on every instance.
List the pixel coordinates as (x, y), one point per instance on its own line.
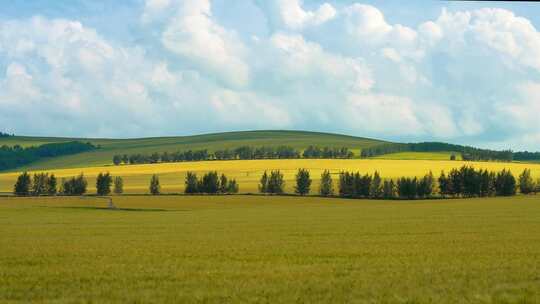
(243, 153)
(15, 156)
(42, 184)
(463, 182)
(2, 134)
(467, 153)
(527, 156)
(47, 184)
(210, 183)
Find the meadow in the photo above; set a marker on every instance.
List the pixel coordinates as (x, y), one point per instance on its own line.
(248, 172)
(269, 250)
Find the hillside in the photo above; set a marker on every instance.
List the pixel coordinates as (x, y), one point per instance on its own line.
(110, 147)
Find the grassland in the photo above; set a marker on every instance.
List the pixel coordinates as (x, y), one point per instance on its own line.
(248, 172)
(109, 147)
(269, 250)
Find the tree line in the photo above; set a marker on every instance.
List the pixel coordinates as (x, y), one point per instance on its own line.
(15, 156)
(463, 182)
(526, 156)
(241, 153)
(45, 184)
(468, 153)
(2, 134)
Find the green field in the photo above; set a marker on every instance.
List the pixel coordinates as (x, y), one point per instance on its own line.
(269, 250)
(109, 147)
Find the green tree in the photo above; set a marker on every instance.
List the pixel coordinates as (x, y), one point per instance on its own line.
(103, 184)
(303, 182)
(117, 159)
(526, 183)
(118, 185)
(75, 185)
(327, 187)
(39, 184)
(52, 185)
(210, 183)
(276, 183)
(376, 187)
(191, 183)
(232, 187)
(155, 188)
(426, 186)
(389, 189)
(223, 184)
(505, 183)
(263, 183)
(22, 186)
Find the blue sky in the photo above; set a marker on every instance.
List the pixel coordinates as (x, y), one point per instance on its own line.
(463, 72)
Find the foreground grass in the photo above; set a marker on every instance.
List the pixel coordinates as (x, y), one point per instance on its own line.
(269, 249)
(248, 172)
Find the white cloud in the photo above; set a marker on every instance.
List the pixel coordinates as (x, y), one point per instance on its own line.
(193, 34)
(382, 114)
(247, 109)
(466, 74)
(300, 59)
(291, 15)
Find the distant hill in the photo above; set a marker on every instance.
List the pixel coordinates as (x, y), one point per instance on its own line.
(217, 141)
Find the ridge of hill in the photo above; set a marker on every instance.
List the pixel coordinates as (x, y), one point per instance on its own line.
(214, 141)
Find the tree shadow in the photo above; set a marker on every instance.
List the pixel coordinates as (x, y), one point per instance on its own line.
(115, 209)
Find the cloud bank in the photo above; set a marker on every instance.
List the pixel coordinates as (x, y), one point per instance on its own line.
(467, 76)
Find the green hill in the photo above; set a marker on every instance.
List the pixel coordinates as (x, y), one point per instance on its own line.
(110, 147)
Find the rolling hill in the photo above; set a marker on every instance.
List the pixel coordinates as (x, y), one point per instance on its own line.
(110, 147)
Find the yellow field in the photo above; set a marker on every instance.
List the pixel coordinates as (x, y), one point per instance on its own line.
(248, 172)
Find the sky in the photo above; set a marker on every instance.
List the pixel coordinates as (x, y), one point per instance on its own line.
(459, 72)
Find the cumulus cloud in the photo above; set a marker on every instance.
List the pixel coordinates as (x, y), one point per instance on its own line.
(467, 75)
(290, 14)
(194, 34)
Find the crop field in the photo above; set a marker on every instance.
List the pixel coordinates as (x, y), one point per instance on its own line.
(248, 172)
(269, 249)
